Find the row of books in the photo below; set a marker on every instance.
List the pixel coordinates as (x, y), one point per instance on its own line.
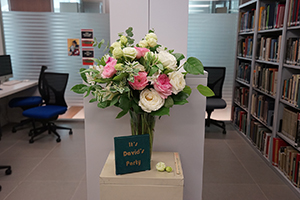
(292, 51)
(260, 137)
(247, 21)
(263, 108)
(245, 47)
(271, 16)
(287, 159)
(290, 90)
(241, 96)
(269, 48)
(265, 78)
(239, 118)
(244, 71)
(291, 125)
(294, 14)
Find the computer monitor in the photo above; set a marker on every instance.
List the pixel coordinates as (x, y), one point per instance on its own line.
(5, 68)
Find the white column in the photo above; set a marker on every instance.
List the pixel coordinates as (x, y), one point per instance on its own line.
(183, 130)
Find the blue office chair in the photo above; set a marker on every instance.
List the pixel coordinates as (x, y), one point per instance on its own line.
(52, 91)
(27, 102)
(216, 77)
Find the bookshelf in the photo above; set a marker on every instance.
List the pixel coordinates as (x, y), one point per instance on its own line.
(266, 98)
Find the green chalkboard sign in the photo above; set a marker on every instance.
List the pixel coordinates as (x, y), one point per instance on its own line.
(132, 154)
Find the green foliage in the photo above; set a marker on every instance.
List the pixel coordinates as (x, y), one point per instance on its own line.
(162, 111)
(180, 98)
(80, 88)
(187, 89)
(205, 91)
(193, 66)
(169, 102)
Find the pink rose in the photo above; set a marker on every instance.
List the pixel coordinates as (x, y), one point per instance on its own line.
(141, 52)
(163, 86)
(140, 81)
(109, 69)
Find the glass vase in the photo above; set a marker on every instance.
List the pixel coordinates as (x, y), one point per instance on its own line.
(142, 124)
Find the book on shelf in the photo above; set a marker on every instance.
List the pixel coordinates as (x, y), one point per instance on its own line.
(267, 138)
(292, 56)
(265, 78)
(242, 95)
(271, 15)
(240, 119)
(277, 143)
(244, 71)
(290, 90)
(291, 125)
(269, 48)
(246, 20)
(245, 47)
(293, 15)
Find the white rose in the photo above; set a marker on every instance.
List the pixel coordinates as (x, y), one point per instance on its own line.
(89, 78)
(139, 66)
(117, 53)
(151, 35)
(152, 42)
(167, 59)
(177, 81)
(130, 52)
(150, 100)
(143, 43)
(116, 45)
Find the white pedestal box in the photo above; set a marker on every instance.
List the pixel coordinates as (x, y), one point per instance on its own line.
(144, 185)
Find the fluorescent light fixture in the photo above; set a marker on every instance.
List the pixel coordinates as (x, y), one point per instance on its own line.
(199, 6)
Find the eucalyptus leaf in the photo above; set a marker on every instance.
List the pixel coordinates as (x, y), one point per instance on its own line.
(205, 91)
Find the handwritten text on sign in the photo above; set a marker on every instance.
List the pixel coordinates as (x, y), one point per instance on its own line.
(132, 154)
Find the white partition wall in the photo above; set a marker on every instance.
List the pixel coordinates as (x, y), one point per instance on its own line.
(183, 130)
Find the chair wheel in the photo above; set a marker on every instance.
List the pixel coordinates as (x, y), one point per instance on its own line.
(8, 172)
(31, 141)
(13, 130)
(70, 132)
(58, 140)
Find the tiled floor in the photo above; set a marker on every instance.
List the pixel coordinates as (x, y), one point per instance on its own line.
(46, 170)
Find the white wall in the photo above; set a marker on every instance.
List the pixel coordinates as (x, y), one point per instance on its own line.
(2, 48)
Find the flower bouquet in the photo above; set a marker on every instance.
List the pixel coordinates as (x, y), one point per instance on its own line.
(145, 80)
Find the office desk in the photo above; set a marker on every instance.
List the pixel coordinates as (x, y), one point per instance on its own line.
(12, 90)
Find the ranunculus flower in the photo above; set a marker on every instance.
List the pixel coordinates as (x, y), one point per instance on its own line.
(152, 42)
(162, 86)
(130, 52)
(177, 81)
(123, 39)
(109, 68)
(140, 81)
(150, 100)
(117, 53)
(151, 35)
(143, 43)
(115, 45)
(167, 59)
(141, 52)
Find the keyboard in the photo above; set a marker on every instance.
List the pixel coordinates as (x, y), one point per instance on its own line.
(11, 82)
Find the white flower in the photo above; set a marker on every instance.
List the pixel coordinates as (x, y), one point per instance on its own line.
(150, 100)
(152, 42)
(117, 53)
(177, 81)
(89, 78)
(116, 45)
(99, 68)
(151, 35)
(106, 56)
(130, 52)
(143, 43)
(137, 65)
(167, 59)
